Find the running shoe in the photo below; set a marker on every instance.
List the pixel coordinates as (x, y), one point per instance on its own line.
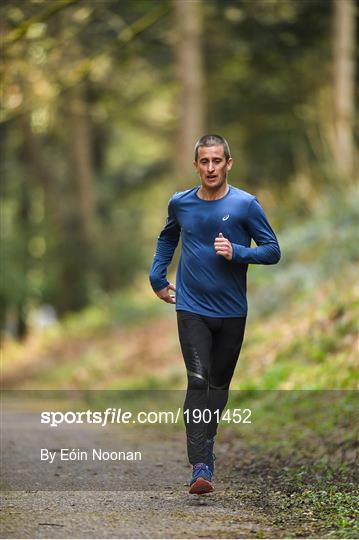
(201, 479)
(211, 458)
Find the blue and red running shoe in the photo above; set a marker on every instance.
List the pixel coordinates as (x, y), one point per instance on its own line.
(201, 479)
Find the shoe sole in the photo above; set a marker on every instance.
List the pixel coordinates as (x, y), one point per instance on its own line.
(200, 487)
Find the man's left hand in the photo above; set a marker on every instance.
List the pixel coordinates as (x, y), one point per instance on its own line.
(223, 247)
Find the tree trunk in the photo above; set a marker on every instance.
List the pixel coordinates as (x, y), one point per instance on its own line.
(61, 211)
(344, 77)
(41, 172)
(81, 158)
(191, 77)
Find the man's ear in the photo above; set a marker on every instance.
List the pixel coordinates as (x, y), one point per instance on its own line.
(229, 164)
(195, 165)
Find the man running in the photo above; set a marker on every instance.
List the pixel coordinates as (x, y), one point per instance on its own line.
(216, 222)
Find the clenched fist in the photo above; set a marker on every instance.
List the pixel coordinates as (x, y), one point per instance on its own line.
(223, 247)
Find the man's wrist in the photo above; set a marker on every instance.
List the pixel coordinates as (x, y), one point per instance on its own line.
(237, 255)
(161, 286)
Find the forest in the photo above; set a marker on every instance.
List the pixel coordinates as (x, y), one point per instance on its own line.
(102, 103)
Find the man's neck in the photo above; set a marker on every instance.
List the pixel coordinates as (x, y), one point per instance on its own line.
(212, 195)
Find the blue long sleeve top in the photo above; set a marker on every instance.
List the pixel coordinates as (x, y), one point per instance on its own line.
(207, 283)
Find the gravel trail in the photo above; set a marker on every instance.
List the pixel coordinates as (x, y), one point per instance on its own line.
(121, 500)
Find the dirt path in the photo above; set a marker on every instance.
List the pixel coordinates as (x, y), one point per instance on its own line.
(143, 500)
(161, 508)
(166, 514)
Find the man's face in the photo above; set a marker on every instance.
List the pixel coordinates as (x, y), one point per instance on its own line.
(212, 166)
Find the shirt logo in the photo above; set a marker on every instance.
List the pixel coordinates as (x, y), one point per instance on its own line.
(225, 217)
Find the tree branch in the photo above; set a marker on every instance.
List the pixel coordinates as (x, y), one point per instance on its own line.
(125, 36)
(17, 33)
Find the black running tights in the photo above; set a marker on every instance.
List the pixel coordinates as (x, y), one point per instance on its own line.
(210, 348)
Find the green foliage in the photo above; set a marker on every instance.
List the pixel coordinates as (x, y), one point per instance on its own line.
(313, 250)
(89, 131)
(110, 311)
(303, 444)
(72, 116)
(340, 509)
(298, 336)
(265, 85)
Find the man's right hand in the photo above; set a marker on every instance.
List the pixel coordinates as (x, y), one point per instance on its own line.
(164, 294)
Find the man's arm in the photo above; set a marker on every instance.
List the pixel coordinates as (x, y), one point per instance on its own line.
(166, 246)
(267, 250)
